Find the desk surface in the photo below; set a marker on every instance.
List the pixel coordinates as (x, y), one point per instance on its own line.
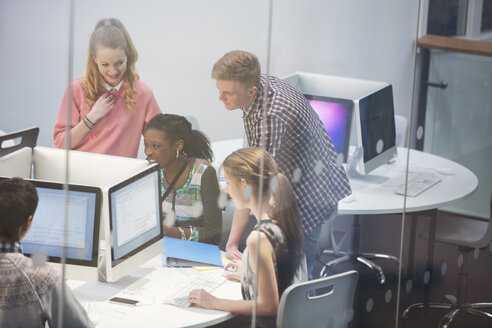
(374, 194)
(149, 284)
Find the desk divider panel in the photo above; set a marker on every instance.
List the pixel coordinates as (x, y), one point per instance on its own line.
(87, 169)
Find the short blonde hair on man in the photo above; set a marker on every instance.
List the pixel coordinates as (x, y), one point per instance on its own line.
(238, 65)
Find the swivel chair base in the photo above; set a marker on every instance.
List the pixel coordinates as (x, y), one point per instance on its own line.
(356, 256)
(363, 258)
(445, 322)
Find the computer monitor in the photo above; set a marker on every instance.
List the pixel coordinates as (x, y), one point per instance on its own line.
(133, 229)
(375, 121)
(74, 236)
(336, 115)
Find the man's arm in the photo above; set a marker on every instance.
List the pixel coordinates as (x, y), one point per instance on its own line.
(239, 221)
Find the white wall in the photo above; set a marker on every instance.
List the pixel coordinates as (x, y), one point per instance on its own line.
(178, 42)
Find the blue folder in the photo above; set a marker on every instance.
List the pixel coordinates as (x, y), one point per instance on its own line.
(178, 252)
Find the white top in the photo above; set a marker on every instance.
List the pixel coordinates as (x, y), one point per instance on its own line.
(374, 193)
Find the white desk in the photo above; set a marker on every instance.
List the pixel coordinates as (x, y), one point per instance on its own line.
(149, 284)
(374, 194)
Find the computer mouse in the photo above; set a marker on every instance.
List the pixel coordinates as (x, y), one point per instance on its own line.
(444, 170)
(349, 199)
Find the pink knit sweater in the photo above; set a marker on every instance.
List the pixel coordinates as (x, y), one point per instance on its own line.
(116, 134)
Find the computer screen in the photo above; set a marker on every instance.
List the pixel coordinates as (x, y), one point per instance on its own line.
(135, 218)
(74, 235)
(377, 128)
(336, 115)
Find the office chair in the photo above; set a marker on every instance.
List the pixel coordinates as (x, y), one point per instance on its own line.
(354, 254)
(401, 124)
(331, 309)
(28, 138)
(468, 234)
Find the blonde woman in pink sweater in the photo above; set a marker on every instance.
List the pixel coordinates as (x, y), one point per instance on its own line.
(110, 106)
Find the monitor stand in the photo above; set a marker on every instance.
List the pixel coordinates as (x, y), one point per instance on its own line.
(354, 174)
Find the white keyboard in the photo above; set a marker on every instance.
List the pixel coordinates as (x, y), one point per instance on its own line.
(417, 184)
(208, 282)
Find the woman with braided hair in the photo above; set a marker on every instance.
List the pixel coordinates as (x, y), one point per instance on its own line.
(189, 183)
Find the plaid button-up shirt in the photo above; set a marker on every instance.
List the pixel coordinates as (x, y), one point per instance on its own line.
(298, 141)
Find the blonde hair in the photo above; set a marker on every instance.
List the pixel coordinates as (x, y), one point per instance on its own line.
(238, 65)
(110, 32)
(245, 164)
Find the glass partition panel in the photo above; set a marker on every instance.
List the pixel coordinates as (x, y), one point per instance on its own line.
(450, 241)
(342, 58)
(341, 55)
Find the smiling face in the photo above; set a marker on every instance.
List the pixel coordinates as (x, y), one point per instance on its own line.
(159, 149)
(111, 64)
(234, 94)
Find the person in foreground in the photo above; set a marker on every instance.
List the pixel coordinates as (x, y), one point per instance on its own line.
(189, 184)
(110, 106)
(30, 295)
(293, 134)
(276, 242)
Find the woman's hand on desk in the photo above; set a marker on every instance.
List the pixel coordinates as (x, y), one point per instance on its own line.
(233, 270)
(201, 298)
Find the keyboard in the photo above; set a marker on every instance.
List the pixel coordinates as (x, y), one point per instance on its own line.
(208, 282)
(417, 184)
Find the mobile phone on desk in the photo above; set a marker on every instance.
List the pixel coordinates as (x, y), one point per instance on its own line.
(123, 301)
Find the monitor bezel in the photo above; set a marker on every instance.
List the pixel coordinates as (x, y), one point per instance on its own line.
(348, 124)
(385, 156)
(150, 170)
(97, 220)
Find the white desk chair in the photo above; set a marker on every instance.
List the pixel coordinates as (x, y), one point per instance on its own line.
(332, 309)
(401, 125)
(469, 235)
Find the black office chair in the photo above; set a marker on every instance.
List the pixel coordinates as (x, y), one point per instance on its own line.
(335, 238)
(28, 138)
(468, 234)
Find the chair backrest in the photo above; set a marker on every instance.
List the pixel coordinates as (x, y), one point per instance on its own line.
(28, 138)
(401, 124)
(465, 231)
(331, 309)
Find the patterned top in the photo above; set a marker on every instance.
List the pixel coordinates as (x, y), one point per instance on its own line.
(19, 306)
(195, 203)
(10, 247)
(298, 141)
(289, 268)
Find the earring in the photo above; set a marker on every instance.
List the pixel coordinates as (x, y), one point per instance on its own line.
(177, 153)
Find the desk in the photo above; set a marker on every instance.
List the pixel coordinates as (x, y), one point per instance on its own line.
(374, 193)
(149, 284)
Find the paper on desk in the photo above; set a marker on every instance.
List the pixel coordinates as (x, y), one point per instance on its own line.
(225, 260)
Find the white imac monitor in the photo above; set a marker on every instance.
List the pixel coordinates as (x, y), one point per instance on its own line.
(133, 229)
(75, 237)
(375, 121)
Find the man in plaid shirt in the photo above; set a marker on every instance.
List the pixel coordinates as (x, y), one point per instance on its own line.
(283, 122)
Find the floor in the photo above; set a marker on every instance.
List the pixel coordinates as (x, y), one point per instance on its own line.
(375, 306)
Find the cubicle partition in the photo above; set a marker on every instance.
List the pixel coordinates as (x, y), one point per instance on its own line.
(79, 170)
